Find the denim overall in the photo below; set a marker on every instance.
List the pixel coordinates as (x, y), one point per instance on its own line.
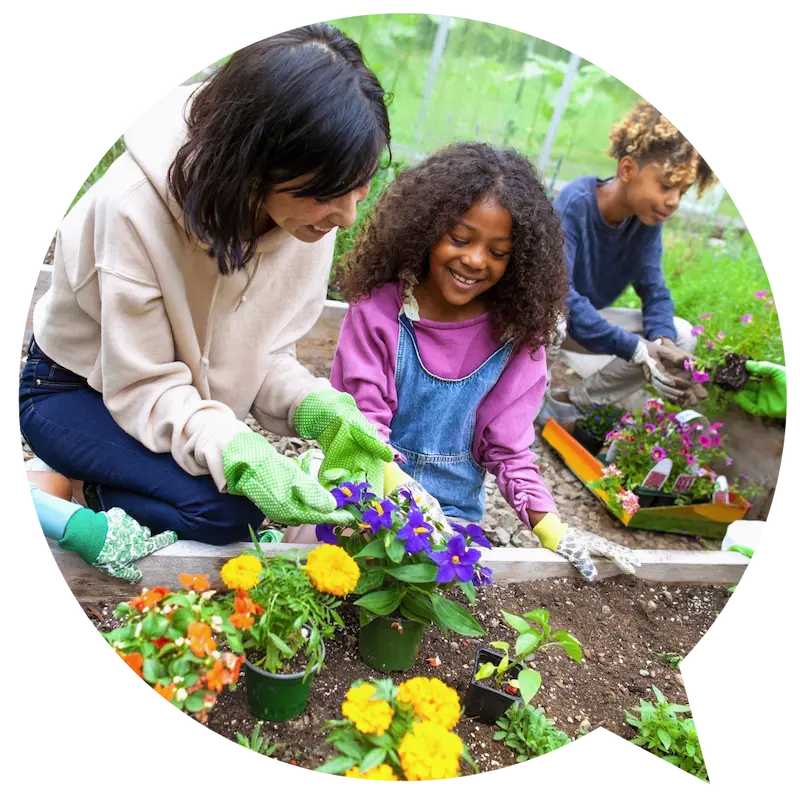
(434, 425)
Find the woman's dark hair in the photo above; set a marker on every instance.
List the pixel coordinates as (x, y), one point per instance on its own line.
(426, 201)
(301, 103)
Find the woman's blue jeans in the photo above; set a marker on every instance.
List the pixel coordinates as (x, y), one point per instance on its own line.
(68, 426)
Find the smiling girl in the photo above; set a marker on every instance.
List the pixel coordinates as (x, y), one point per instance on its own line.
(456, 286)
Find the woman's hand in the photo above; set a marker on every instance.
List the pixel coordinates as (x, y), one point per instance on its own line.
(764, 394)
(350, 442)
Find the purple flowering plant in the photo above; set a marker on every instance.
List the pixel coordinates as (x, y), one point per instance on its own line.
(409, 559)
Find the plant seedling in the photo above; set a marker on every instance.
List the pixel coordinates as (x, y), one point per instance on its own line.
(258, 743)
(529, 733)
(535, 634)
(672, 660)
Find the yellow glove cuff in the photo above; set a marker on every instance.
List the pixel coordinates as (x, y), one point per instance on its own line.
(393, 477)
(550, 529)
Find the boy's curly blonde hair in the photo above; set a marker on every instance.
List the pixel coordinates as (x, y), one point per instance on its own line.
(647, 136)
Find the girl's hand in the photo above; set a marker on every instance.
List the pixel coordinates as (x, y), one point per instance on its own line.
(578, 546)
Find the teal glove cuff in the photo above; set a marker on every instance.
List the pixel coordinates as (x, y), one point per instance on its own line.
(85, 534)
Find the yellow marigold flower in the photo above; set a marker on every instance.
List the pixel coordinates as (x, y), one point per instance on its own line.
(241, 572)
(430, 752)
(368, 715)
(432, 701)
(332, 570)
(382, 773)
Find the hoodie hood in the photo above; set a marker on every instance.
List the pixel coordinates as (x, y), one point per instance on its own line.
(154, 140)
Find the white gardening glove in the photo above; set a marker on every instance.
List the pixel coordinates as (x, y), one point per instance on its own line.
(648, 355)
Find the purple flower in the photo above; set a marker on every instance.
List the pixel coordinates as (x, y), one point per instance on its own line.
(762, 294)
(700, 377)
(721, 335)
(626, 418)
(325, 534)
(482, 576)
(728, 462)
(658, 453)
(710, 345)
(415, 534)
(687, 441)
(379, 514)
(707, 315)
(704, 440)
(409, 495)
(649, 427)
(687, 364)
(473, 534)
(351, 493)
(691, 460)
(455, 561)
(697, 330)
(746, 318)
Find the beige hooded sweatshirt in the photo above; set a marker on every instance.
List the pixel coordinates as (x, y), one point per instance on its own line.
(180, 353)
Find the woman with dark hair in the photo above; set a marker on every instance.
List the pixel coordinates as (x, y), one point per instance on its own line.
(182, 280)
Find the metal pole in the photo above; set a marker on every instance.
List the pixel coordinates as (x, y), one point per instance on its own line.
(433, 68)
(555, 120)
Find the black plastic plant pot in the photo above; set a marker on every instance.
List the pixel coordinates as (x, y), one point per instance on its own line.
(482, 701)
(276, 697)
(390, 644)
(648, 498)
(587, 440)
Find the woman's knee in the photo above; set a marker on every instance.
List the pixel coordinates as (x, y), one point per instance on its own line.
(686, 340)
(221, 519)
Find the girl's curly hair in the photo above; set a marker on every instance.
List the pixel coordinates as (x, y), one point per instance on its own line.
(425, 202)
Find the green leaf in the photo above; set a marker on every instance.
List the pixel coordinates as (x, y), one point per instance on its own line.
(375, 549)
(455, 617)
(529, 683)
(365, 617)
(194, 702)
(500, 646)
(415, 573)
(527, 643)
(486, 671)
(517, 623)
(348, 746)
(499, 736)
(542, 616)
(281, 645)
(572, 647)
(396, 550)
(659, 696)
(469, 590)
(119, 634)
(153, 670)
(337, 766)
(180, 666)
(373, 759)
(417, 607)
(154, 625)
(370, 580)
(182, 618)
(665, 738)
(235, 642)
(382, 602)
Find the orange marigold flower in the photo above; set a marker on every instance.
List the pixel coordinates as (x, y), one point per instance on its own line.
(134, 661)
(167, 692)
(196, 583)
(201, 639)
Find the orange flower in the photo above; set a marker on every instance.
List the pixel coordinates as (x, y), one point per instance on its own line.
(217, 677)
(244, 605)
(241, 621)
(201, 639)
(149, 598)
(197, 583)
(233, 663)
(167, 692)
(134, 661)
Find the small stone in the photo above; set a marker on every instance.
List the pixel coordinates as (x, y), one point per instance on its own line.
(644, 673)
(606, 610)
(502, 536)
(584, 723)
(570, 720)
(667, 595)
(651, 605)
(454, 645)
(493, 623)
(679, 678)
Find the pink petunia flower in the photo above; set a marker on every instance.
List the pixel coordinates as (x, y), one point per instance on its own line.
(762, 294)
(728, 462)
(721, 336)
(658, 453)
(746, 318)
(691, 460)
(704, 440)
(629, 500)
(707, 315)
(710, 345)
(700, 377)
(697, 330)
(649, 427)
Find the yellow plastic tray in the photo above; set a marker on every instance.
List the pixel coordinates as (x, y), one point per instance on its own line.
(702, 519)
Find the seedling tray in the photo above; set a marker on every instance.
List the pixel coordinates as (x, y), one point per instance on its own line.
(703, 519)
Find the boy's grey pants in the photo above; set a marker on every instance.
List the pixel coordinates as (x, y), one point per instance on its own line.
(618, 381)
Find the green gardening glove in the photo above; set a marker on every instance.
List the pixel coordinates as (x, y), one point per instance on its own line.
(764, 394)
(350, 442)
(111, 541)
(276, 484)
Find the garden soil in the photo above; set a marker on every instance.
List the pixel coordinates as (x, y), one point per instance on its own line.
(621, 622)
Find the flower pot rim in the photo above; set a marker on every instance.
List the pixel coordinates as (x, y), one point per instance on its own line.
(285, 677)
(395, 618)
(484, 686)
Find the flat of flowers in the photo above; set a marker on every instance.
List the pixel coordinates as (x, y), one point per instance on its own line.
(621, 622)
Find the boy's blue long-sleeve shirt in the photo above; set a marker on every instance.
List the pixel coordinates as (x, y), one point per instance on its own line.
(603, 260)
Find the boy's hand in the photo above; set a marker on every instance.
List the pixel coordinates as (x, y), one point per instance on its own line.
(653, 358)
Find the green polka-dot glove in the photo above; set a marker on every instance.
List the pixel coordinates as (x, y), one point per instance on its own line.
(275, 483)
(764, 394)
(350, 442)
